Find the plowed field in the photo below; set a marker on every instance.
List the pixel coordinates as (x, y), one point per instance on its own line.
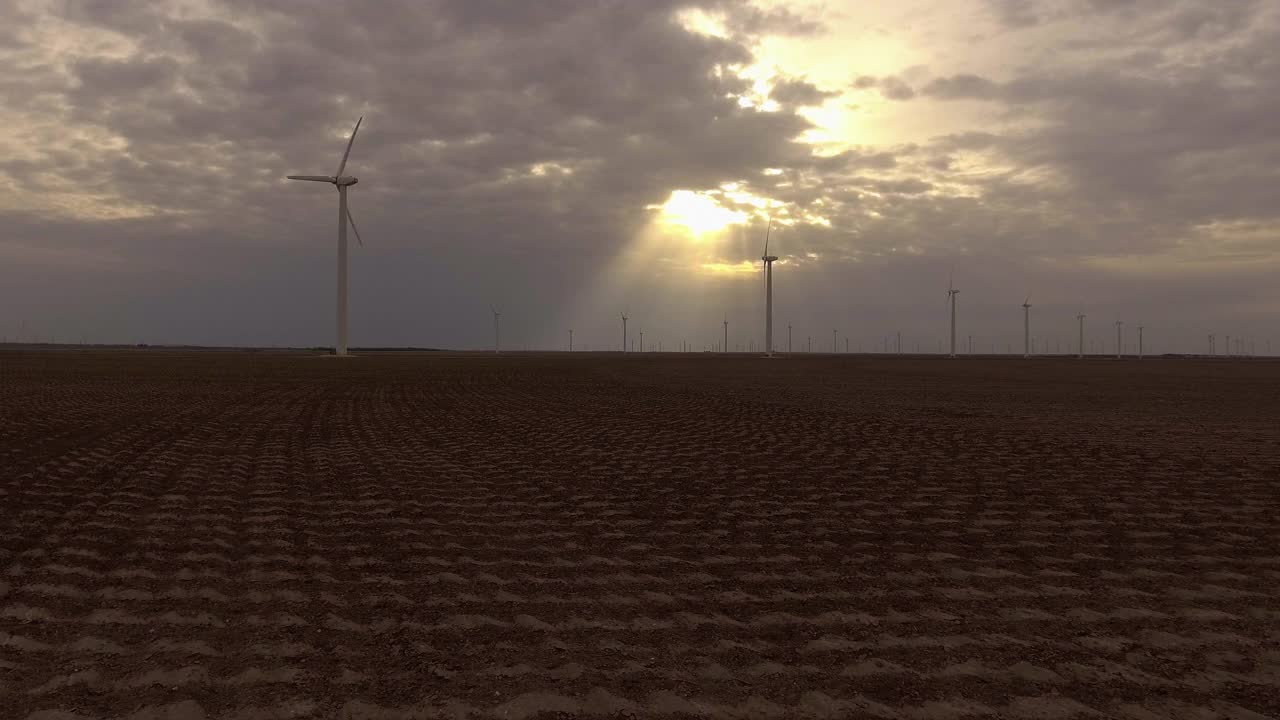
(263, 536)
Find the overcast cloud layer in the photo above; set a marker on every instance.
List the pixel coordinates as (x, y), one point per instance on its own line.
(1116, 158)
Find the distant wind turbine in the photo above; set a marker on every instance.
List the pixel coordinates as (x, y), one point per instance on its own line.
(951, 300)
(768, 291)
(1026, 327)
(1139, 342)
(624, 331)
(726, 333)
(496, 336)
(1081, 317)
(341, 182)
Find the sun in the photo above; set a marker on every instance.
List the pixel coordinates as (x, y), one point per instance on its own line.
(698, 213)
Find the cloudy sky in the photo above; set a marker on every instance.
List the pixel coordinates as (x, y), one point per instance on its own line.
(569, 160)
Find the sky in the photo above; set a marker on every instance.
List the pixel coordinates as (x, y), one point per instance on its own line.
(568, 161)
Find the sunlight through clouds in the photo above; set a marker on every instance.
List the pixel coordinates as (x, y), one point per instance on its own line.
(697, 213)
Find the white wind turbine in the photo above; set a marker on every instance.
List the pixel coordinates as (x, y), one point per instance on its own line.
(1026, 327)
(624, 331)
(496, 315)
(341, 182)
(768, 291)
(951, 299)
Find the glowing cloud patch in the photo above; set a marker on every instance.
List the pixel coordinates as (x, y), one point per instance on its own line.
(744, 267)
(698, 213)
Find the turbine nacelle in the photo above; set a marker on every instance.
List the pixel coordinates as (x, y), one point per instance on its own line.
(769, 258)
(345, 181)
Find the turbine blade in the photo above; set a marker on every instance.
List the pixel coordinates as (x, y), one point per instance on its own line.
(343, 165)
(353, 226)
(767, 229)
(312, 178)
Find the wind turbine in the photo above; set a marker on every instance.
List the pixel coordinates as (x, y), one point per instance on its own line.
(1119, 340)
(1026, 327)
(1080, 317)
(496, 315)
(768, 291)
(788, 338)
(726, 333)
(624, 331)
(341, 183)
(570, 339)
(951, 299)
(1139, 342)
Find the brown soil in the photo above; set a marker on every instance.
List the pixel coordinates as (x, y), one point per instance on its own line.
(269, 536)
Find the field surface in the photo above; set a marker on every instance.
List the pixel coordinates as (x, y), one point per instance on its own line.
(270, 536)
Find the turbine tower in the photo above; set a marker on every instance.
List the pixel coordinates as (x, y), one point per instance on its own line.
(496, 315)
(624, 331)
(1211, 352)
(951, 300)
(1026, 327)
(341, 183)
(1080, 317)
(1119, 340)
(788, 338)
(726, 333)
(768, 292)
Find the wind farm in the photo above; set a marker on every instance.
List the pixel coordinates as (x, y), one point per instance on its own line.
(541, 451)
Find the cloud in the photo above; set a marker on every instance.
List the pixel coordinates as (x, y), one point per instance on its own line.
(510, 149)
(797, 92)
(964, 86)
(890, 86)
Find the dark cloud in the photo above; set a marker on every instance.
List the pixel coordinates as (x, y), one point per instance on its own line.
(774, 21)
(797, 92)
(961, 87)
(1015, 13)
(892, 87)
